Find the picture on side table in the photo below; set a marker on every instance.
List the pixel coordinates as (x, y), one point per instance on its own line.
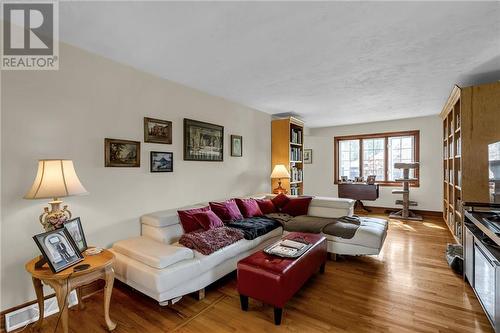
(203, 141)
(161, 161)
(236, 145)
(58, 249)
(122, 153)
(157, 131)
(308, 156)
(75, 230)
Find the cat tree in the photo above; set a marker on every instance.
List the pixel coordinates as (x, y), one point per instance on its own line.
(405, 213)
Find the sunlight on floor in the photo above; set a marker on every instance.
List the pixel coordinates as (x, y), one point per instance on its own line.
(432, 225)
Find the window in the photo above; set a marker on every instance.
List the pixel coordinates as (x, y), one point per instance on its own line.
(375, 154)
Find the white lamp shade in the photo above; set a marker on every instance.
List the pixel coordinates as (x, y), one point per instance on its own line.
(55, 179)
(280, 171)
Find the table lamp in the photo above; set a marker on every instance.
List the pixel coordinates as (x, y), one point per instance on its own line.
(279, 172)
(55, 179)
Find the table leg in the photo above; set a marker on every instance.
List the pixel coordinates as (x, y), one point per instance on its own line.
(244, 302)
(278, 313)
(81, 306)
(108, 289)
(322, 268)
(37, 284)
(62, 293)
(359, 204)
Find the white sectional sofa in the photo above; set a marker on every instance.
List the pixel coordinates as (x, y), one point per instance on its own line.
(156, 265)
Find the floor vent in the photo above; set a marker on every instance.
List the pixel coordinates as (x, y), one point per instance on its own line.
(29, 314)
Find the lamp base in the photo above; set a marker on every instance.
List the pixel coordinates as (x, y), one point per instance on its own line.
(280, 190)
(55, 217)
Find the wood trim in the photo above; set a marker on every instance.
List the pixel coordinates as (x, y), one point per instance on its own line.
(377, 210)
(386, 135)
(450, 102)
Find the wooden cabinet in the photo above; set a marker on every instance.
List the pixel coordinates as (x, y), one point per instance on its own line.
(287, 136)
(471, 121)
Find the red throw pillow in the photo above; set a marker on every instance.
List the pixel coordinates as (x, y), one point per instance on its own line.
(266, 206)
(226, 210)
(208, 220)
(297, 206)
(280, 201)
(189, 223)
(248, 207)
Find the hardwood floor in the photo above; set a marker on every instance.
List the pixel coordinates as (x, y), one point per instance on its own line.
(407, 288)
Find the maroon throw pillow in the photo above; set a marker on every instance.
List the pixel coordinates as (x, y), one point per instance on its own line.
(280, 201)
(297, 206)
(189, 223)
(226, 210)
(266, 206)
(248, 207)
(208, 220)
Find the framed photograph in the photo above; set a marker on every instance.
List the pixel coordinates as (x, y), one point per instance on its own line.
(236, 145)
(58, 249)
(359, 179)
(370, 180)
(75, 229)
(157, 131)
(161, 161)
(122, 153)
(343, 179)
(308, 156)
(203, 141)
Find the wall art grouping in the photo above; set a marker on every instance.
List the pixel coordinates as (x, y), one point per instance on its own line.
(202, 142)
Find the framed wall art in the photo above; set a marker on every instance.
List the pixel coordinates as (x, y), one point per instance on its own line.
(122, 153)
(203, 141)
(236, 145)
(161, 161)
(157, 131)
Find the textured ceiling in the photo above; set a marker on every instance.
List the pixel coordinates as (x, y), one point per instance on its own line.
(329, 62)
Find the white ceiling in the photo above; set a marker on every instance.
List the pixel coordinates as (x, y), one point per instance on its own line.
(329, 62)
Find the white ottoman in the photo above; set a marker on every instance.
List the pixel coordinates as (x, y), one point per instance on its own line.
(368, 239)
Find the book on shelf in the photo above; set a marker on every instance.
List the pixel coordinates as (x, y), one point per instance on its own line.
(296, 174)
(295, 154)
(296, 136)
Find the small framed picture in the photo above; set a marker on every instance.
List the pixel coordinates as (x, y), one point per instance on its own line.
(58, 249)
(122, 153)
(236, 145)
(157, 131)
(359, 179)
(308, 156)
(161, 161)
(370, 180)
(343, 179)
(75, 230)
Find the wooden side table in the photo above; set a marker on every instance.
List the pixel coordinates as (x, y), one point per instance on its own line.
(101, 267)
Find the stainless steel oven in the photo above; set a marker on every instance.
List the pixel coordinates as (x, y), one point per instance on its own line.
(482, 258)
(487, 281)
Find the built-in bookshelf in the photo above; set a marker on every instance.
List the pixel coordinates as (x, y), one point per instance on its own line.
(470, 123)
(287, 148)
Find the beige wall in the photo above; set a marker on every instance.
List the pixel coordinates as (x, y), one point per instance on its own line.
(318, 177)
(68, 113)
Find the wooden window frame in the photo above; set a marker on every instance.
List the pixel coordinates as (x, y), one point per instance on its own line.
(386, 136)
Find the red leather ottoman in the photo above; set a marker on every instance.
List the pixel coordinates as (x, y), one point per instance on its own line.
(274, 280)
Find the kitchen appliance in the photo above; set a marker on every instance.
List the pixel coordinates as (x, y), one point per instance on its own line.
(494, 171)
(482, 256)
